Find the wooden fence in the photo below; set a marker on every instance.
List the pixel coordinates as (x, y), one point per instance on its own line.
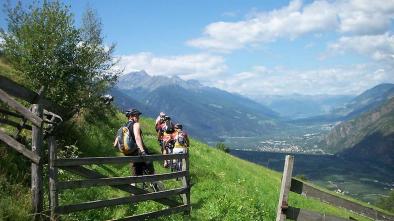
(95, 179)
(39, 115)
(42, 122)
(290, 184)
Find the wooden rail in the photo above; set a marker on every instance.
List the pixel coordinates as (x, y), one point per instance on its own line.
(16, 90)
(290, 184)
(34, 114)
(20, 108)
(87, 173)
(19, 147)
(305, 189)
(96, 179)
(115, 181)
(116, 160)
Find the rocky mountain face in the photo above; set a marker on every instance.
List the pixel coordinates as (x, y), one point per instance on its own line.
(207, 113)
(370, 136)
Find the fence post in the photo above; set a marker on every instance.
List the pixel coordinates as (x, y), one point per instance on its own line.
(53, 194)
(285, 188)
(36, 169)
(186, 182)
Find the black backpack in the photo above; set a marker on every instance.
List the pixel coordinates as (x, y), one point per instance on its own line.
(126, 143)
(181, 138)
(169, 127)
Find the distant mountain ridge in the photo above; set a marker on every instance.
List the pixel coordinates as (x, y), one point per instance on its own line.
(296, 106)
(366, 101)
(207, 113)
(370, 136)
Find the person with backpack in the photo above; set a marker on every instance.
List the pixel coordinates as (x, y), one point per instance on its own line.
(181, 139)
(165, 137)
(164, 129)
(159, 119)
(130, 143)
(181, 145)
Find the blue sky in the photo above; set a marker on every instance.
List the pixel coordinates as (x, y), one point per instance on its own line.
(254, 47)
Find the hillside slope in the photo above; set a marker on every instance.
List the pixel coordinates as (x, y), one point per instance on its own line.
(369, 136)
(366, 101)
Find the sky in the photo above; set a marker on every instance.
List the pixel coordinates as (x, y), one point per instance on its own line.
(254, 47)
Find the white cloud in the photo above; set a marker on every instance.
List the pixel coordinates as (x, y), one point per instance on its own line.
(378, 47)
(365, 16)
(344, 80)
(193, 66)
(296, 19)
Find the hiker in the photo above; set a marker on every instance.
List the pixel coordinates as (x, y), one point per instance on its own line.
(159, 119)
(164, 128)
(133, 125)
(166, 141)
(181, 144)
(159, 128)
(181, 139)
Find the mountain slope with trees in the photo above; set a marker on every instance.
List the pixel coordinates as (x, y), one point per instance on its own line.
(368, 137)
(366, 101)
(209, 113)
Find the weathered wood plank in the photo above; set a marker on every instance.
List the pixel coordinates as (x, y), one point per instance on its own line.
(7, 112)
(301, 214)
(118, 201)
(115, 160)
(186, 183)
(16, 90)
(152, 215)
(285, 188)
(113, 181)
(37, 121)
(19, 147)
(298, 186)
(37, 188)
(14, 124)
(84, 172)
(53, 192)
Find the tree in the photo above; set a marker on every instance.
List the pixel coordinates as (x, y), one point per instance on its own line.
(44, 45)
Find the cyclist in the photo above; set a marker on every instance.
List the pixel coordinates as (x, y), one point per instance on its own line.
(181, 143)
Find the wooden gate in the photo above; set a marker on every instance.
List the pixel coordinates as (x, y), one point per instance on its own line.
(138, 194)
(39, 115)
(42, 120)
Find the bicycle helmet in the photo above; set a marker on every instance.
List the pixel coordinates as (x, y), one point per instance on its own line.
(132, 112)
(178, 126)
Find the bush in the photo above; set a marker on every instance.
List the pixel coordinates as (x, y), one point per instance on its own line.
(222, 147)
(387, 203)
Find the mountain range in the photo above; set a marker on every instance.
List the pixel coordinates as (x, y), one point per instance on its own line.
(208, 113)
(369, 136)
(298, 106)
(366, 101)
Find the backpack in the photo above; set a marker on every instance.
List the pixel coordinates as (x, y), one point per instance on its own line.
(168, 127)
(126, 143)
(181, 139)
